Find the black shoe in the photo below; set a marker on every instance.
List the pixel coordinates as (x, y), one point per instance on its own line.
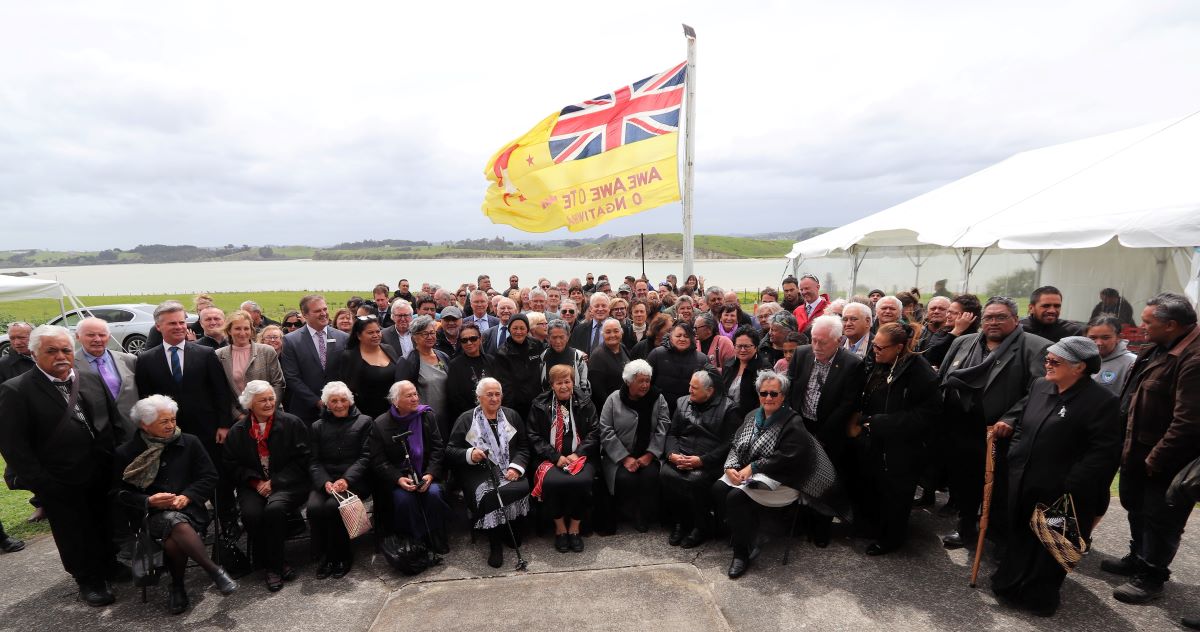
(287, 573)
(576, 542)
(177, 602)
(1191, 622)
(11, 545)
(96, 595)
(561, 543)
(694, 538)
(495, 554)
(1141, 589)
(324, 570)
(878, 549)
(340, 569)
(274, 581)
(957, 541)
(224, 583)
(438, 542)
(1127, 566)
(676, 535)
(925, 499)
(640, 524)
(118, 572)
(738, 567)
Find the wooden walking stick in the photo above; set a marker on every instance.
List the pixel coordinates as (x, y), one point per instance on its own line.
(989, 473)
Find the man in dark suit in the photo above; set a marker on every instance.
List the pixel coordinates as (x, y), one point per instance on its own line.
(396, 336)
(190, 374)
(115, 368)
(585, 336)
(19, 358)
(479, 316)
(497, 335)
(59, 432)
(311, 358)
(826, 384)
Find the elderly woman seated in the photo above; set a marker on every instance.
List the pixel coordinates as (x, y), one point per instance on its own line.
(167, 474)
(696, 445)
(489, 451)
(564, 441)
(633, 430)
(772, 462)
(406, 456)
(339, 465)
(267, 453)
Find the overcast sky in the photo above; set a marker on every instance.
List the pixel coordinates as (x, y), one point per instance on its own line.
(294, 122)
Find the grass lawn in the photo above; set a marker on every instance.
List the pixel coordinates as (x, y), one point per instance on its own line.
(14, 509)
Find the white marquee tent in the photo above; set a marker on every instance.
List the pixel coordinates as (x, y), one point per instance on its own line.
(1119, 210)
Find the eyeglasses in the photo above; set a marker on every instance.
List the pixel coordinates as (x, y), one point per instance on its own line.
(468, 339)
(768, 394)
(568, 311)
(402, 317)
(996, 318)
(291, 325)
(1053, 362)
(743, 347)
(428, 334)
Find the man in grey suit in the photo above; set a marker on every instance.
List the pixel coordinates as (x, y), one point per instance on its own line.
(311, 358)
(115, 368)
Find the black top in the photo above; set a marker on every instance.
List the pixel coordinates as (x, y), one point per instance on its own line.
(184, 469)
(673, 371)
(462, 375)
(747, 399)
(288, 445)
(900, 413)
(519, 370)
(339, 449)
(368, 382)
(704, 430)
(14, 364)
(388, 460)
(542, 416)
(604, 373)
(518, 446)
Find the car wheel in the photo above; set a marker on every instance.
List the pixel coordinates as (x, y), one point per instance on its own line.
(5, 347)
(134, 343)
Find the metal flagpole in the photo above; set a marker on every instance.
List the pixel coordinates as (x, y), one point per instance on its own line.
(689, 144)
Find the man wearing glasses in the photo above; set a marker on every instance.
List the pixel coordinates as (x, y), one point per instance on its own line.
(479, 315)
(985, 378)
(397, 335)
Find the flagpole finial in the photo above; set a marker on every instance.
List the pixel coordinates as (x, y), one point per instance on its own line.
(689, 32)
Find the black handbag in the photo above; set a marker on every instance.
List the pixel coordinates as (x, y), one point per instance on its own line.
(147, 559)
(1185, 487)
(231, 557)
(407, 556)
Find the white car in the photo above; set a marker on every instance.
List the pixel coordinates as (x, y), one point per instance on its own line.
(129, 323)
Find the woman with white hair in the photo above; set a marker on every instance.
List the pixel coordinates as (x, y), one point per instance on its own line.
(426, 367)
(491, 437)
(339, 464)
(633, 433)
(167, 474)
(406, 452)
(267, 453)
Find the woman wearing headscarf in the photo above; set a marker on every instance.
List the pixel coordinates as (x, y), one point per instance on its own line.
(414, 501)
(427, 368)
(368, 366)
(900, 403)
(633, 430)
(1068, 441)
(168, 474)
(606, 363)
(267, 452)
(564, 442)
(339, 465)
(674, 363)
(490, 444)
(741, 370)
(465, 370)
(559, 352)
(518, 365)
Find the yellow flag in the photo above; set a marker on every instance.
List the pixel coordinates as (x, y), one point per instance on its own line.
(607, 157)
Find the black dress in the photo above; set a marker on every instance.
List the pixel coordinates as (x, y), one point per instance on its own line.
(368, 382)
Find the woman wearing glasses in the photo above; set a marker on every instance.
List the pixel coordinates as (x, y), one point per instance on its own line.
(739, 371)
(426, 367)
(368, 366)
(291, 322)
(465, 370)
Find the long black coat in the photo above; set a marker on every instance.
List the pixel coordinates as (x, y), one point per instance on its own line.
(901, 413)
(388, 458)
(519, 370)
(673, 371)
(184, 469)
(704, 430)
(290, 454)
(518, 445)
(204, 398)
(1069, 442)
(339, 450)
(839, 395)
(462, 376)
(541, 419)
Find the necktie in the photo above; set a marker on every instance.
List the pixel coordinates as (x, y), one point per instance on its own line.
(808, 309)
(595, 336)
(176, 370)
(502, 336)
(111, 380)
(319, 337)
(65, 389)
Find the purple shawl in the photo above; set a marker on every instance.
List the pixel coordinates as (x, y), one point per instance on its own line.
(416, 441)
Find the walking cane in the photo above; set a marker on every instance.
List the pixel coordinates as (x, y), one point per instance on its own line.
(415, 477)
(989, 473)
(521, 563)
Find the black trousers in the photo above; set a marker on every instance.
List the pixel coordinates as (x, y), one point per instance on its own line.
(568, 495)
(740, 513)
(266, 522)
(887, 496)
(968, 441)
(80, 522)
(687, 495)
(329, 539)
(1155, 527)
(638, 491)
(224, 503)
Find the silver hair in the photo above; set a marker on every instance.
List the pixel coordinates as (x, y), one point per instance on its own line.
(19, 323)
(607, 321)
(537, 291)
(336, 388)
(714, 289)
(767, 375)
(634, 369)
(535, 318)
(250, 306)
(558, 323)
(828, 321)
(1171, 306)
(1000, 300)
(92, 320)
(486, 382)
(45, 331)
(864, 311)
(167, 307)
(394, 391)
(399, 303)
(890, 299)
(420, 324)
(705, 379)
(938, 299)
(475, 293)
(146, 410)
(597, 297)
(771, 306)
(784, 319)
(253, 389)
(837, 302)
(708, 319)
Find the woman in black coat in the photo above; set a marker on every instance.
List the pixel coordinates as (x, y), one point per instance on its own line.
(490, 442)
(167, 474)
(339, 465)
(674, 364)
(605, 365)
(518, 364)
(368, 366)
(267, 453)
(1068, 441)
(407, 454)
(900, 402)
(465, 370)
(740, 371)
(564, 443)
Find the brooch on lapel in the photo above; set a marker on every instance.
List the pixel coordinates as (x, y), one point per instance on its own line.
(1062, 412)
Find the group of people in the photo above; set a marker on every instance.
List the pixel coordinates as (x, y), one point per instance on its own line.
(584, 406)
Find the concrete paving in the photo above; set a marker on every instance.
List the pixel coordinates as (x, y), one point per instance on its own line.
(619, 581)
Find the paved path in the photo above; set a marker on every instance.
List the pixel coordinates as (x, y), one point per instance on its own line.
(619, 581)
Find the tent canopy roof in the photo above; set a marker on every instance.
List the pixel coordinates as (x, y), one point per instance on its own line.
(1138, 185)
(13, 288)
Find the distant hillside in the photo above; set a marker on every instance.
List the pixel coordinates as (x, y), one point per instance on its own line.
(670, 246)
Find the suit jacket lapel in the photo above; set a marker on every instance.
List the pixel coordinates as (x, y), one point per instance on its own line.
(998, 365)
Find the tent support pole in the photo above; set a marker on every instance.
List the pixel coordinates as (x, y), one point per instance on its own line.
(917, 262)
(1039, 260)
(1160, 259)
(856, 261)
(966, 270)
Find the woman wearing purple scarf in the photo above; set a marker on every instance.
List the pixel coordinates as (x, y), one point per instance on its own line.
(412, 487)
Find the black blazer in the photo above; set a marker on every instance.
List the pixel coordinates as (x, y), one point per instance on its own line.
(581, 336)
(45, 453)
(541, 420)
(290, 455)
(518, 445)
(387, 456)
(184, 469)
(204, 397)
(747, 394)
(839, 395)
(339, 450)
(490, 344)
(303, 373)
